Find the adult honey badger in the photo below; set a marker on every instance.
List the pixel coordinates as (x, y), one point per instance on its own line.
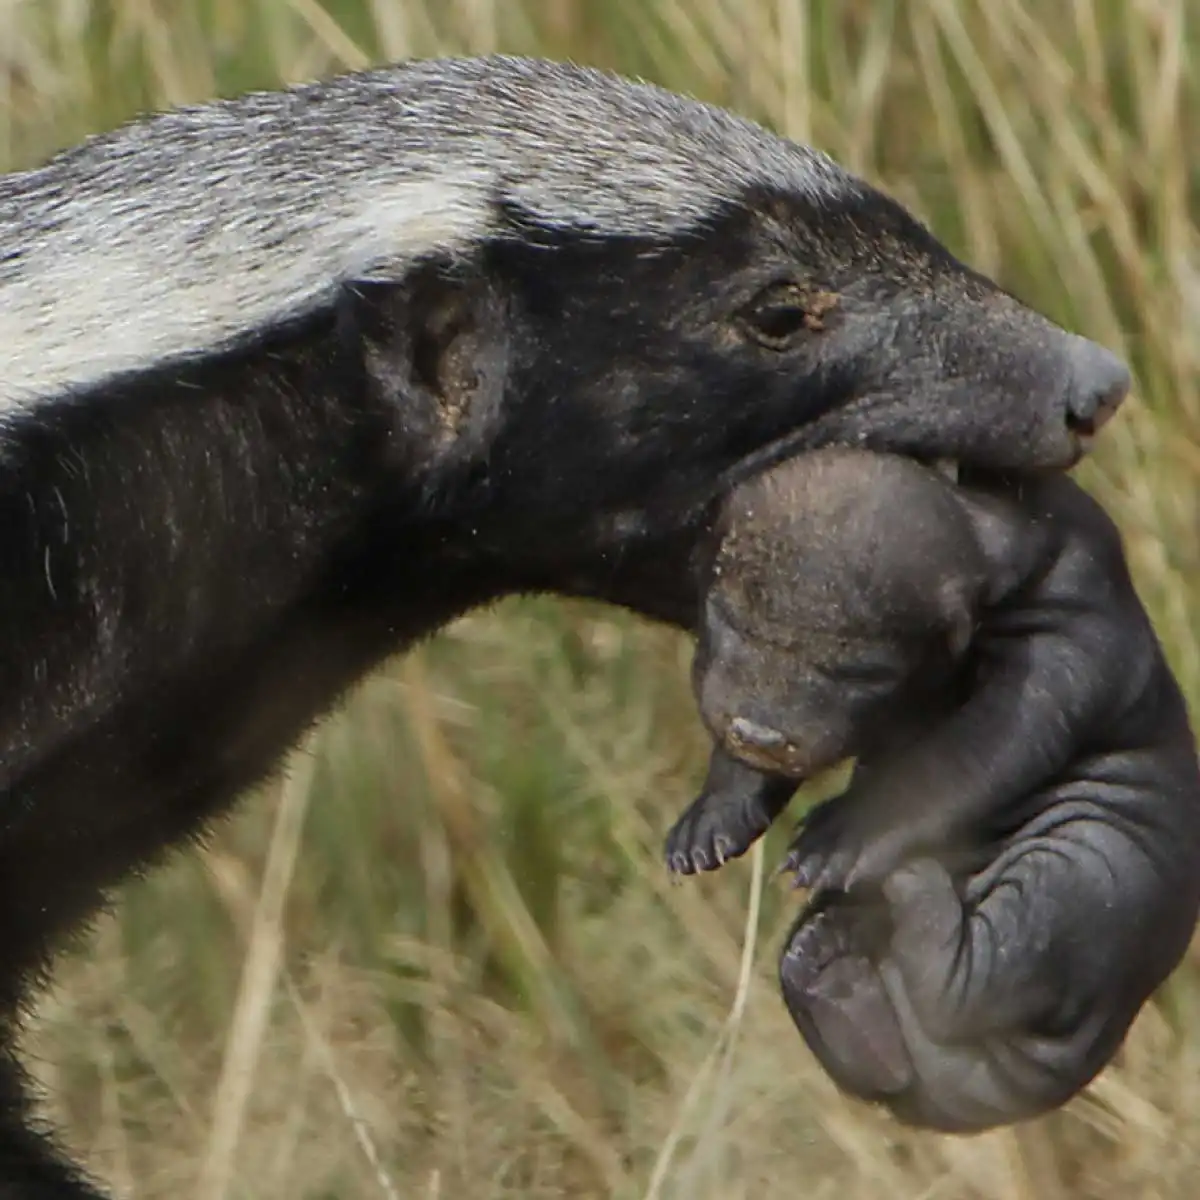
(288, 381)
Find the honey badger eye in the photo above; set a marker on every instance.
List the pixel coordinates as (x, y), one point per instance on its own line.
(865, 673)
(777, 315)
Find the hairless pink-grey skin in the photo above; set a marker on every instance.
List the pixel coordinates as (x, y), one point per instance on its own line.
(1015, 866)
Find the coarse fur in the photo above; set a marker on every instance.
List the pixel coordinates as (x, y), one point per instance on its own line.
(358, 177)
(289, 381)
(1024, 761)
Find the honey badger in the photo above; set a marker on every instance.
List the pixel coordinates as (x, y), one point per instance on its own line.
(289, 380)
(1024, 764)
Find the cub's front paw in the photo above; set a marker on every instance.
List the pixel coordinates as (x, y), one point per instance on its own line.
(709, 834)
(845, 843)
(735, 808)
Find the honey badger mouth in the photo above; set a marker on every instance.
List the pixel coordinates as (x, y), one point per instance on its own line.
(774, 454)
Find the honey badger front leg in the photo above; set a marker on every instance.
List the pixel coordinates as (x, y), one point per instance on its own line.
(1064, 664)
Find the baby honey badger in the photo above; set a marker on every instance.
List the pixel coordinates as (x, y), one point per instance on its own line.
(1023, 756)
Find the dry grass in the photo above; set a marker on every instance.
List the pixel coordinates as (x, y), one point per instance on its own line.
(443, 960)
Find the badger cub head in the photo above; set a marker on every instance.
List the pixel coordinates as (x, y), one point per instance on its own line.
(842, 591)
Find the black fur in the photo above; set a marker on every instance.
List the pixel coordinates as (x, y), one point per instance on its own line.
(1024, 758)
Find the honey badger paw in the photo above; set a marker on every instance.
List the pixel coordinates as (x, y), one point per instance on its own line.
(834, 994)
(851, 842)
(736, 806)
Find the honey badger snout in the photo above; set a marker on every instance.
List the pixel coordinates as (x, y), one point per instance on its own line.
(974, 376)
(1098, 385)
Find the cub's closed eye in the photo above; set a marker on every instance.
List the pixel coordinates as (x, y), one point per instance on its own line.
(865, 672)
(784, 312)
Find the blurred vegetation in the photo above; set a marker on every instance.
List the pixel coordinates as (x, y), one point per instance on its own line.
(443, 959)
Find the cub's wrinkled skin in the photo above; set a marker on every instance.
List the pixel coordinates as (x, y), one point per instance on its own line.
(1015, 865)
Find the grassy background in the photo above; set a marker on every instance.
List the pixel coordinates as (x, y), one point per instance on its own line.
(443, 959)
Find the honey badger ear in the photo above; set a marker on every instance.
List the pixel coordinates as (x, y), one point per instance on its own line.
(957, 602)
(434, 346)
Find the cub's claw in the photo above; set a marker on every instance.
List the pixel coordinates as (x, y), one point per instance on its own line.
(735, 808)
(849, 844)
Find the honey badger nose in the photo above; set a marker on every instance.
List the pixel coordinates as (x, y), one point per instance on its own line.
(1099, 383)
(753, 733)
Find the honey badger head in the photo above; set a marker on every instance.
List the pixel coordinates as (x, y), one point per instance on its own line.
(594, 304)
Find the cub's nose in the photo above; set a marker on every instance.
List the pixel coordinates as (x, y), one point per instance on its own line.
(765, 748)
(743, 729)
(1099, 383)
